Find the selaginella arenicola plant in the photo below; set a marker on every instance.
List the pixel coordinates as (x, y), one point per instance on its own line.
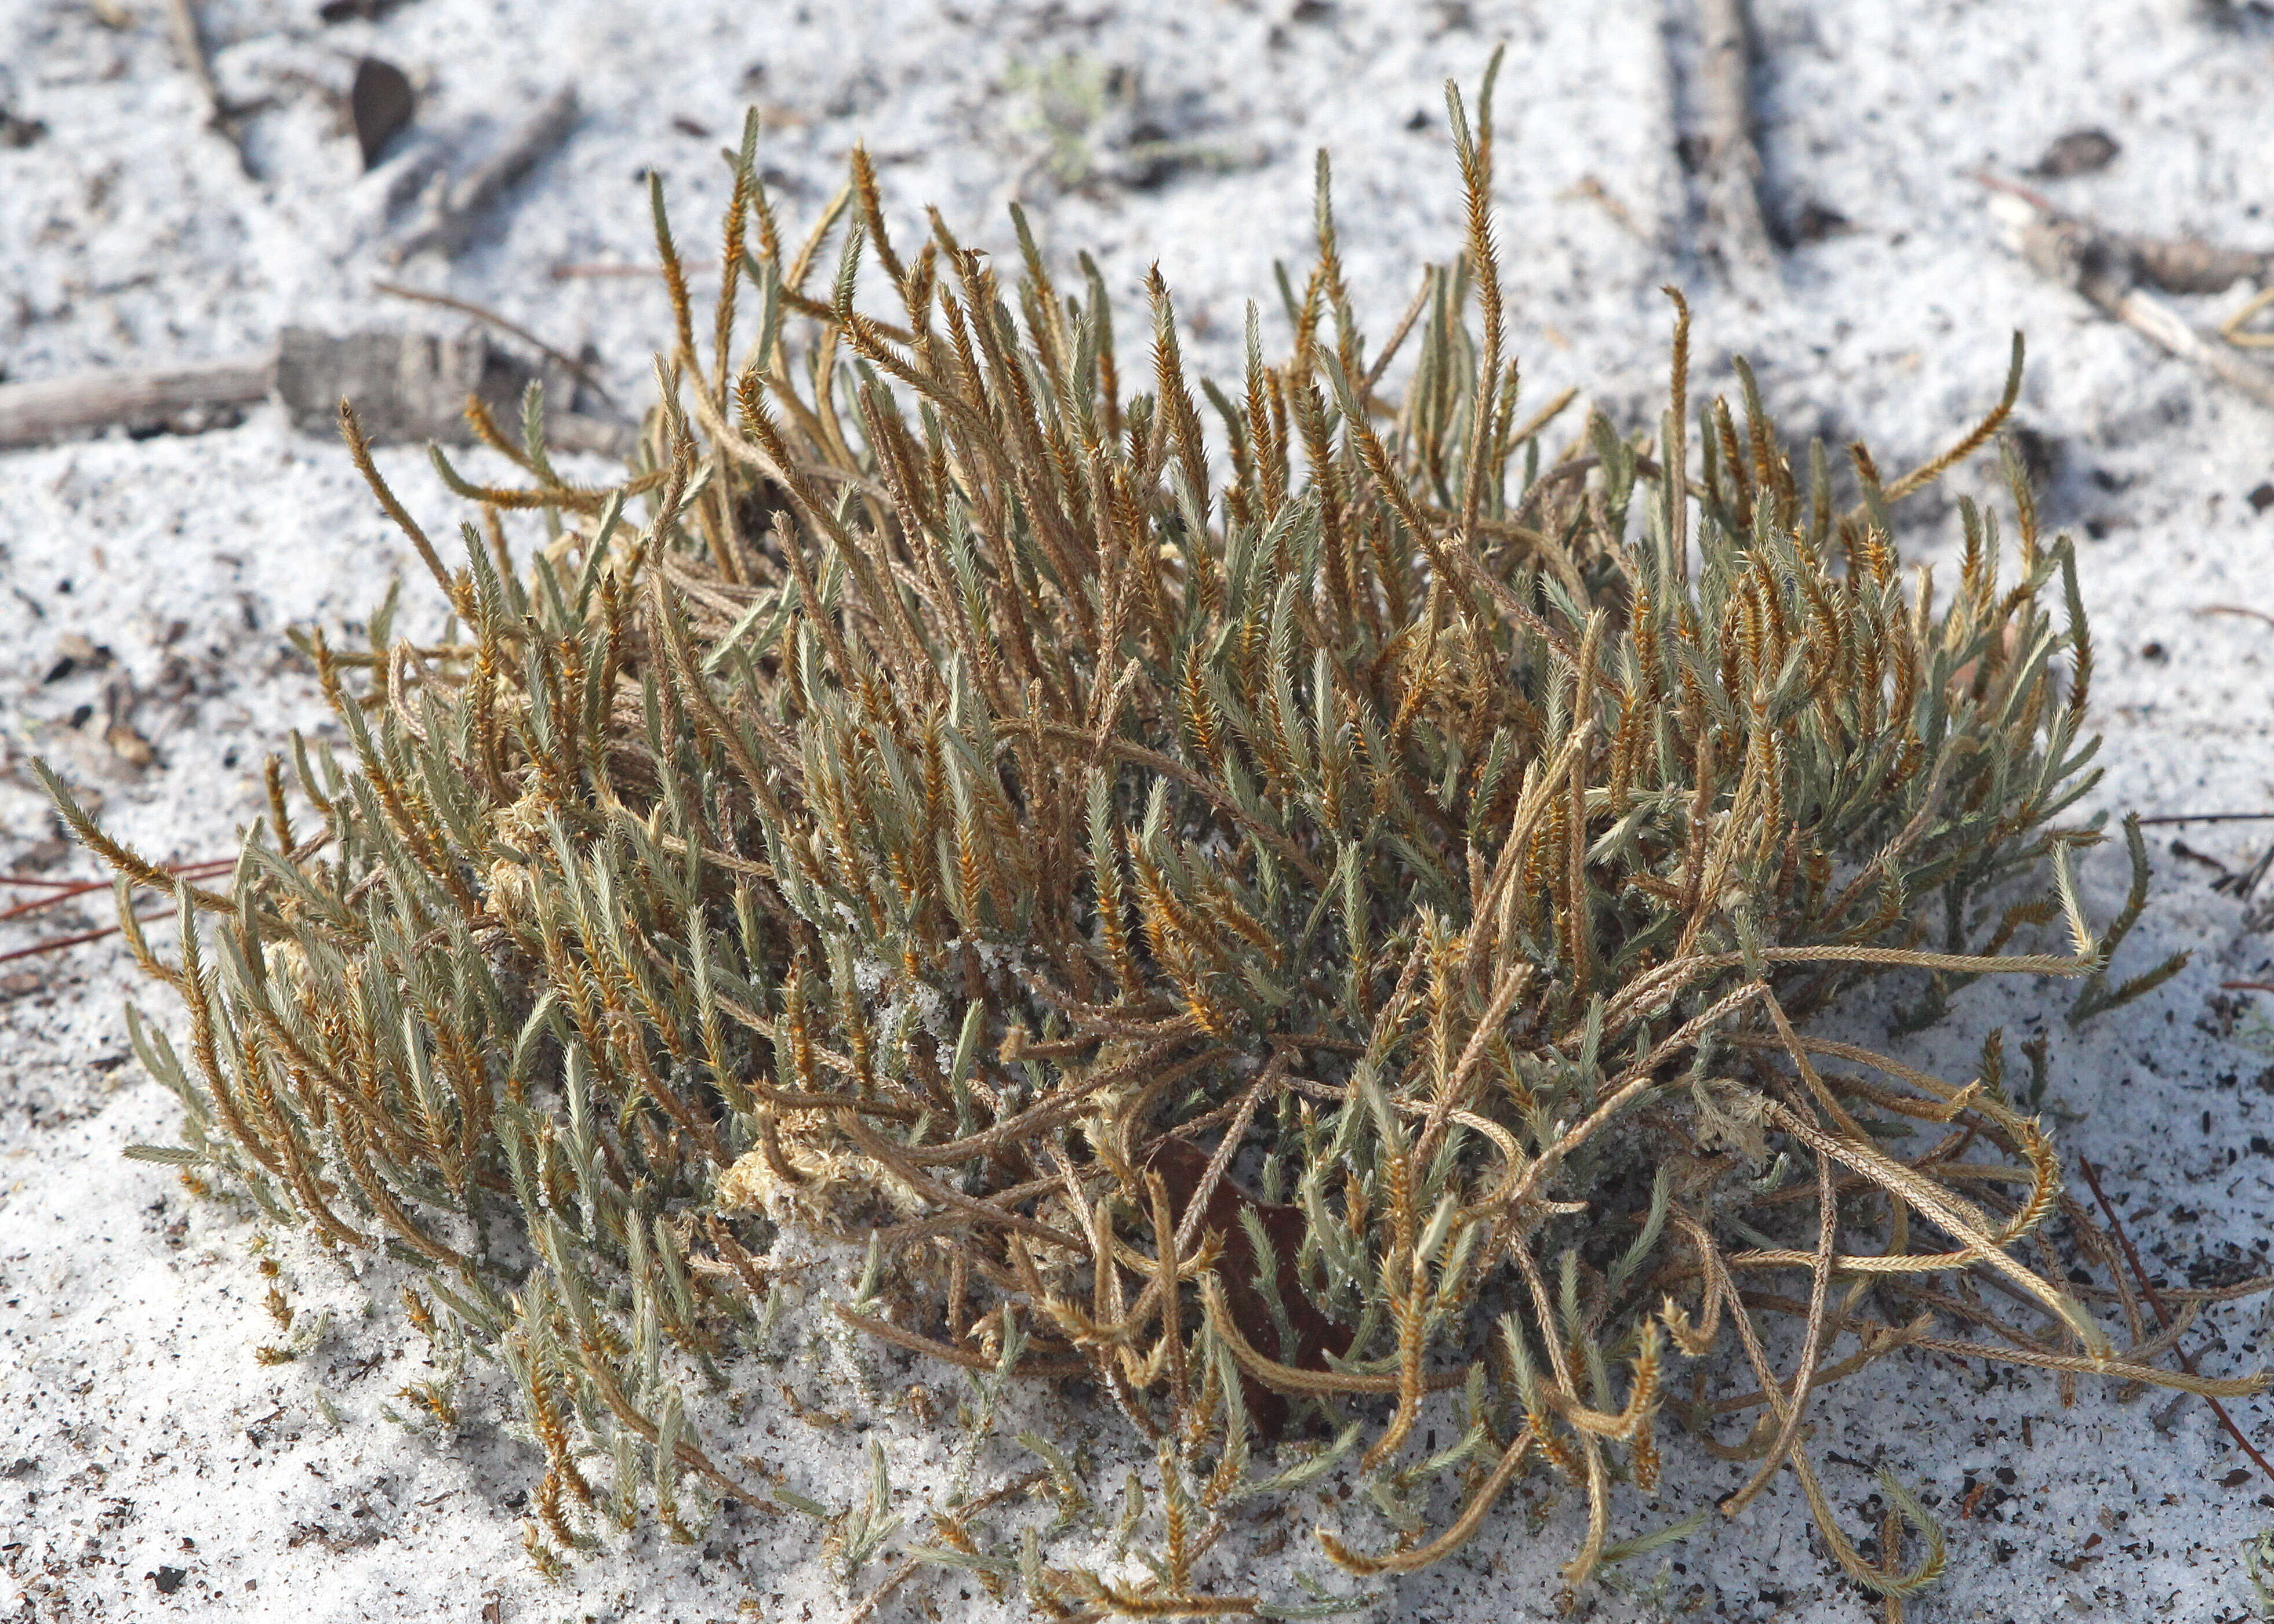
(1306, 918)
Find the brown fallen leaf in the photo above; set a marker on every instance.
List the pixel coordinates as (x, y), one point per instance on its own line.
(2080, 152)
(380, 104)
(1818, 221)
(1182, 1165)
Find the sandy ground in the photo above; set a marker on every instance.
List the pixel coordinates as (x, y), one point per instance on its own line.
(150, 1467)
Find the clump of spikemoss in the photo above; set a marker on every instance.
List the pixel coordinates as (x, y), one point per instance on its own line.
(1298, 950)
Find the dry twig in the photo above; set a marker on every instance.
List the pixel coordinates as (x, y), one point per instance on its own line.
(57, 892)
(410, 386)
(2109, 268)
(2211, 817)
(2163, 1313)
(223, 115)
(1732, 159)
(34, 413)
(450, 222)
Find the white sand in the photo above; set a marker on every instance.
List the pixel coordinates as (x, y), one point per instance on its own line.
(138, 1438)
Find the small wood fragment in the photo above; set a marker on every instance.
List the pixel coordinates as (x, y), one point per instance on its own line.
(127, 743)
(32, 414)
(409, 387)
(413, 387)
(577, 369)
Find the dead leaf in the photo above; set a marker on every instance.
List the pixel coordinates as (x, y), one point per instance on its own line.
(2080, 152)
(1182, 1165)
(1818, 221)
(369, 11)
(381, 103)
